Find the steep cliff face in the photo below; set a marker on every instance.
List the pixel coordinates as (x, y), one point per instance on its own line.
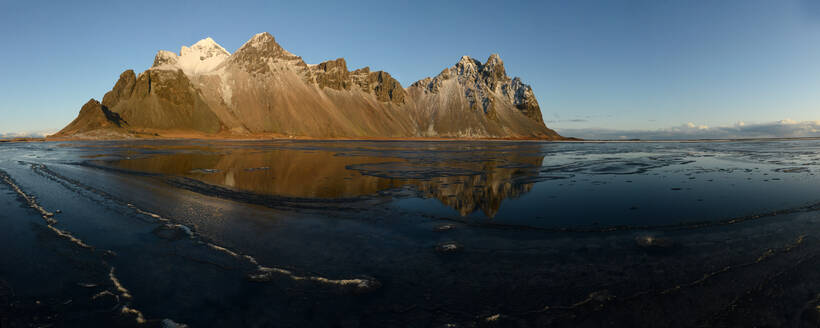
(264, 89)
(472, 99)
(333, 74)
(262, 55)
(158, 100)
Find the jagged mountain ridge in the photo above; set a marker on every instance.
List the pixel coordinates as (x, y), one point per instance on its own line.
(263, 89)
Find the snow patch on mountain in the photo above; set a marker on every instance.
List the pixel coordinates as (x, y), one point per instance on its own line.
(200, 58)
(226, 88)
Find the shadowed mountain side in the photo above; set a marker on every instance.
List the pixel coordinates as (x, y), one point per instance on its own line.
(95, 120)
(262, 89)
(162, 100)
(324, 175)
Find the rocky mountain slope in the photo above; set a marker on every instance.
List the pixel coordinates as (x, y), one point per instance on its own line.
(264, 90)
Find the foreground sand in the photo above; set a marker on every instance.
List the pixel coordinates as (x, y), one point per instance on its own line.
(498, 234)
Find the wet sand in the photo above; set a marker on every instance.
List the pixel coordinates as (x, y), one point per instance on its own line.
(341, 233)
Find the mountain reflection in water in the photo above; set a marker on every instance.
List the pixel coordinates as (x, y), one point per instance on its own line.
(469, 180)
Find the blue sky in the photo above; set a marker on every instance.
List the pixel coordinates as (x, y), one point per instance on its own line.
(594, 65)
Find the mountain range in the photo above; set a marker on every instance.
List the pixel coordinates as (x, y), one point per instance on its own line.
(264, 91)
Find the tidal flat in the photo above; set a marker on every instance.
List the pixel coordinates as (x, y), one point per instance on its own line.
(409, 234)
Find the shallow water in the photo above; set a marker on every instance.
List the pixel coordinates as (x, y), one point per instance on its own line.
(308, 233)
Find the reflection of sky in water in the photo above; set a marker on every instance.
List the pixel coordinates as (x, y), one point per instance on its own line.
(431, 222)
(542, 185)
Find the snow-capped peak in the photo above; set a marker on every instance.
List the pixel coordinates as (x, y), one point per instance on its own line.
(206, 46)
(200, 58)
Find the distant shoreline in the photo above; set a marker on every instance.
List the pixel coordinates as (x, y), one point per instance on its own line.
(568, 140)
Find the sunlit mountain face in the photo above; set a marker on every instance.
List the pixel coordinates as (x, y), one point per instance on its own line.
(265, 91)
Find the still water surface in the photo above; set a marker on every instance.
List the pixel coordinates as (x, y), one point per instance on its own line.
(541, 185)
(295, 233)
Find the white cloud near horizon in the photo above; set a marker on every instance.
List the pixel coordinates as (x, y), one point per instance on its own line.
(29, 134)
(780, 129)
